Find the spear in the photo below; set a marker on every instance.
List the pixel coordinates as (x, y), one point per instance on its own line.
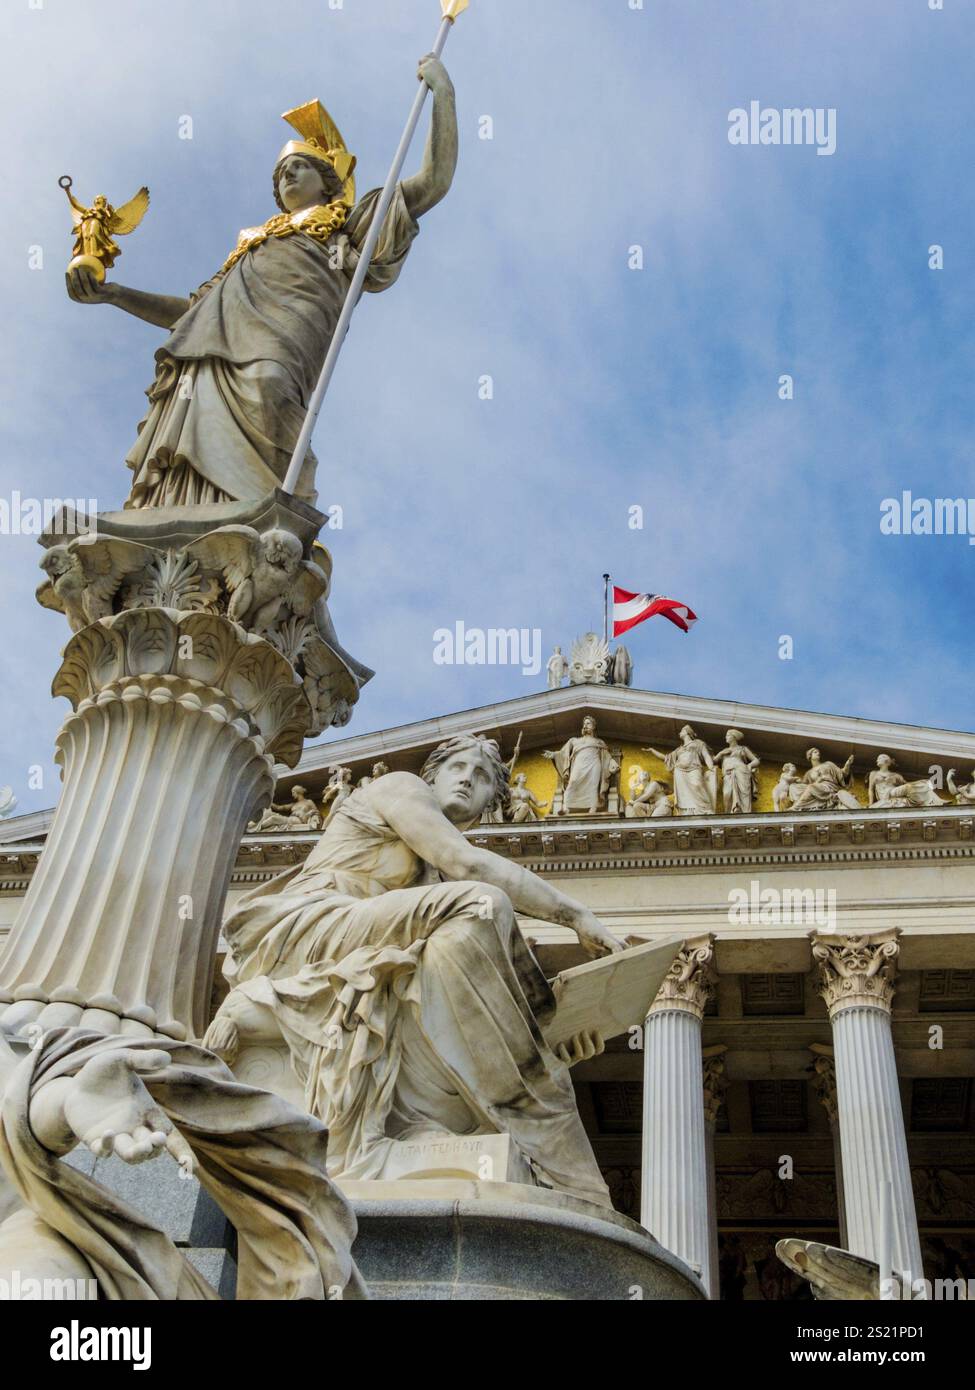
(451, 9)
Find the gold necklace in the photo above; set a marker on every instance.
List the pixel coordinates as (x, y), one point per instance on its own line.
(320, 223)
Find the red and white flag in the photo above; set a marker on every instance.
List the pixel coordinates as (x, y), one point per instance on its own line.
(630, 609)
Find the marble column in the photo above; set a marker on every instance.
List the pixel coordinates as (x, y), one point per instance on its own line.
(715, 1085)
(674, 1200)
(824, 1085)
(858, 987)
(178, 720)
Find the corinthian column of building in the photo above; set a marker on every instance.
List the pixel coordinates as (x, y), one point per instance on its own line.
(858, 987)
(178, 720)
(675, 1205)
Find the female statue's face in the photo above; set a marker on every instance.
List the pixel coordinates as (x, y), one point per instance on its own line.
(464, 787)
(299, 184)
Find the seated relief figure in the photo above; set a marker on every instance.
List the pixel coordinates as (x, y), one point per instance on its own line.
(650, 798)
(299, 814)
(392, 965)
(885, 787)
(824, 786)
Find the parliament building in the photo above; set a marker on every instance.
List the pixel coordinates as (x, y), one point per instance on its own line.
(817, 1029)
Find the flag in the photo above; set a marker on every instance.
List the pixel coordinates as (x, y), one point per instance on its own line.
(630, 609)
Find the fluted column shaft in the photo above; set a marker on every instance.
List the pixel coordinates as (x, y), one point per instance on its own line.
(162, 770)
(858, 986)
(675, 1203)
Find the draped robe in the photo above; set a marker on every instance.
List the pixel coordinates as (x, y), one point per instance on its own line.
(408, 1010)
(236, 372)
(261, 1160)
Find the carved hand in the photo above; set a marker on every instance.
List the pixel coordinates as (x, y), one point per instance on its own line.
(110, 1110)
(432, 71)
(83, 288)
(581, 1048)
(594, 938)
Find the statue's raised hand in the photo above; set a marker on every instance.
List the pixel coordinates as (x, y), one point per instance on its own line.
(432, 71)
(83, 288)
(110, 1110)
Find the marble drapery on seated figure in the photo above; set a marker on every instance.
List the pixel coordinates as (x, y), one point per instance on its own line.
(412, 1007)
(824, 786)
(885, 787)
(236, 372)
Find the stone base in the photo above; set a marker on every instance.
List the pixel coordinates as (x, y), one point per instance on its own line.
(482, 1157)
(456, 1241)
(487, 1157)
(174, 527)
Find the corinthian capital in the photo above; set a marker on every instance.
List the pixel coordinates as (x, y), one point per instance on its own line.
(857, 971)
(689, 982)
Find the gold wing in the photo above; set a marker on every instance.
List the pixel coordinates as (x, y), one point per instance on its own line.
(126, 218)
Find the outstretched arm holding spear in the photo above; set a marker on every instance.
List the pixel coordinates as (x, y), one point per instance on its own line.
(428, 187)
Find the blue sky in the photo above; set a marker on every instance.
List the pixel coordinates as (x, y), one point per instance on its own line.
(612, 387)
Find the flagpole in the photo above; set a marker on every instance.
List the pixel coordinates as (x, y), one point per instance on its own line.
(451, 9)
(605, 607)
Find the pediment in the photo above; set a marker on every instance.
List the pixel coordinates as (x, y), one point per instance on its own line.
(630, 720)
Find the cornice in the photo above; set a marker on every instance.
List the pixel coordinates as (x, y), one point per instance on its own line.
(587, 845)
(545, 712)
(698, 844)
